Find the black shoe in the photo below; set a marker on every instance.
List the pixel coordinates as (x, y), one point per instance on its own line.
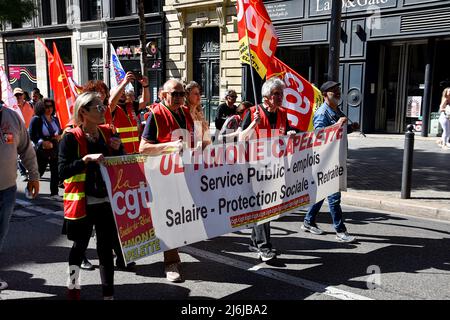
(128, 267)
(86, 265)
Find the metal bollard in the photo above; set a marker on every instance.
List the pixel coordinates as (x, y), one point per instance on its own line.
(407, 162)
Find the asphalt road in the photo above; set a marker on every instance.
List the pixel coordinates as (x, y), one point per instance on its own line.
(396, 257)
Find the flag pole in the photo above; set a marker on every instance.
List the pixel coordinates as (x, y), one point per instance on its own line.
(252, 75)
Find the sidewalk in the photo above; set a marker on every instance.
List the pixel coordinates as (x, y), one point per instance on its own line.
(375, 172)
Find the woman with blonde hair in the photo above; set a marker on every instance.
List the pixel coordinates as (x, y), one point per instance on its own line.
(444, 119)
(86, 202)
(193, 95)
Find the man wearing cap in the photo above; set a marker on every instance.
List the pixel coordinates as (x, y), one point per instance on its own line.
(25, 107)
(327, 115)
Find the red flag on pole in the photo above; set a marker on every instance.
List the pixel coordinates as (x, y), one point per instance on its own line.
(301, 98)
(63, 95)
(257, 33)
(68, 102)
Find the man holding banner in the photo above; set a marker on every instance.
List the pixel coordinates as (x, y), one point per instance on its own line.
(164, 132)
(327, 115)
(273, 123)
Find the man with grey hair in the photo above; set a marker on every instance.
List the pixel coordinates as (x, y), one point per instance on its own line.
(226, 109)
(273, 122)
(160, 136)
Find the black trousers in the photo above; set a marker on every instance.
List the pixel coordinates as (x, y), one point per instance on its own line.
(43, 160)
(101, 216)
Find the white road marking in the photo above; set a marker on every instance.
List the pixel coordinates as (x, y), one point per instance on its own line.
(276, 275)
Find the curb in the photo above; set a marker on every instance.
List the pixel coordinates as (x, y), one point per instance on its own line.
(396, 205)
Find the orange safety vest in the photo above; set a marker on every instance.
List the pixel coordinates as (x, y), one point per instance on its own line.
(74, 189)
(126, 126)
(166, 124)
(264, 124)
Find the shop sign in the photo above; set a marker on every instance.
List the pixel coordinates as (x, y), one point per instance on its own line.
(321, 7)
(285, 9)
(128, 51)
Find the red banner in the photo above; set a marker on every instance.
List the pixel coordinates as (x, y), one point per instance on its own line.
(130, 200)
(301, 98)
(255, 31)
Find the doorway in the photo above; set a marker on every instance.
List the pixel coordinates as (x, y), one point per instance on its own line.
(401, 83)
(95, 63)
(206, 42)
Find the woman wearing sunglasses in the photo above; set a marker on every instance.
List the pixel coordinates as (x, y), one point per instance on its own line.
(86, 202)
(45, 132)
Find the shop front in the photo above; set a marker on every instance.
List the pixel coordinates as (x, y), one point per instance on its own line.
(123, 34)
(392, 56)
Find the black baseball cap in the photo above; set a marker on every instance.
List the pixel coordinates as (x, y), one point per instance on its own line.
(327, 86)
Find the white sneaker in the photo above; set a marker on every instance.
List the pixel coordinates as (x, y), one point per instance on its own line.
(173, 273)
(313, 229)
(344, 237)
(3, 285)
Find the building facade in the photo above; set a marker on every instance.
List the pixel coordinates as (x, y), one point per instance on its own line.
(82, 31)
(392, 57)
(202, 45)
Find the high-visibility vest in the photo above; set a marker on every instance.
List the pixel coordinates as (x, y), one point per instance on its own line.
(126, 126)
(74, 187)
(264, 124)
(166, 124)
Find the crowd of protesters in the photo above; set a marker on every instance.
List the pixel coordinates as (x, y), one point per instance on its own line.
(113, 122)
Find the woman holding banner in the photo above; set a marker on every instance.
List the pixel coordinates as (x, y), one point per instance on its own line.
(86, 200)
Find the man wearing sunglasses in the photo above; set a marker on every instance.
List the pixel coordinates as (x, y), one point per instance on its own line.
(169, 124)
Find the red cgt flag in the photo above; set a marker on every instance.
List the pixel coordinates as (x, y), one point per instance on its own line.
(62, 93)
(301, 98)
(255, 30)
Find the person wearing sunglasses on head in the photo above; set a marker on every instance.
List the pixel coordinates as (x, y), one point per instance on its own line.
(193, 102)
(86, 201)
(168, 125)
(45, 132)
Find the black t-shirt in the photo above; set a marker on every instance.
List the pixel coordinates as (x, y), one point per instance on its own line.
(151, 129)
(272, 116)
(223, 112)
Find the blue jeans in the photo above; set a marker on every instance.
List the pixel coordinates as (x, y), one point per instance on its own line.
(334, 203)
(7, 202)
